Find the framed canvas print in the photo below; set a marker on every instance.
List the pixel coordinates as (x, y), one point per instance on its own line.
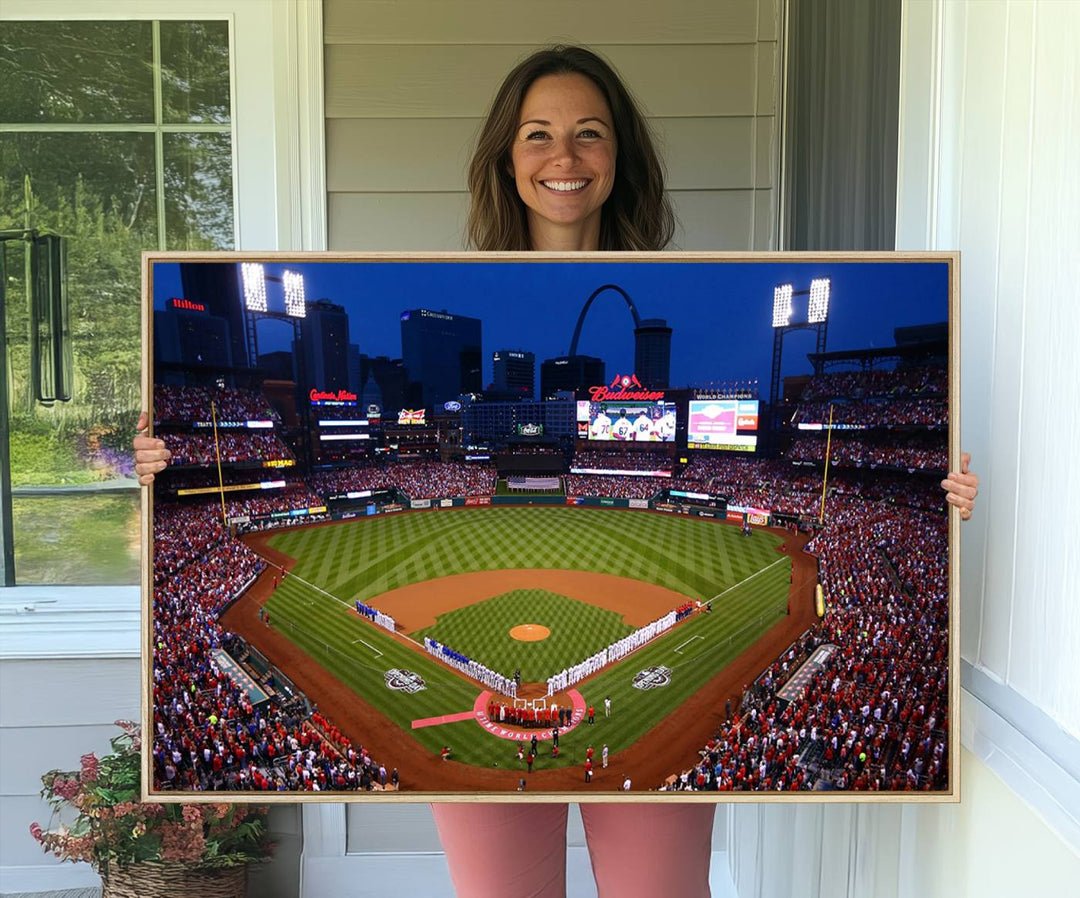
(539, 527)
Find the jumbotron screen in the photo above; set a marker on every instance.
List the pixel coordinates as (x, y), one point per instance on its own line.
(626, 421)
(730, 424)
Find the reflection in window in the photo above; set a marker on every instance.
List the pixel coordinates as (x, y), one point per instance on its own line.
(117, 136)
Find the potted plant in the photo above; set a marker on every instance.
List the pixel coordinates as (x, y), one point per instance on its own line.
(142, 849)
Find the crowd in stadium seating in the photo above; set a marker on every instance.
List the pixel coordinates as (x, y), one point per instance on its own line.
(417, 479)
(917, 381)
(265, 502)
(879, 413)
(915, 453)
(190, 404)
(873, 716)
(622, 461)
(613, 486)
(207, 733)
(234, 446)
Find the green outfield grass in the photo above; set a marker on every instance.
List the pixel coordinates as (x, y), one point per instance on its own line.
(482, 631)
(364, 558)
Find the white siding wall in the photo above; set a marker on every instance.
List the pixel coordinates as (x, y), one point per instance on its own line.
(408, 83)
(69, 668)
(990, 122)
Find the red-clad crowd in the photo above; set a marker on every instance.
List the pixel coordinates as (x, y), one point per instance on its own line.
(873, 715)
(208, 735)
(899, 382)
(876, 413)
(919, 452)
(622, 461)
(614, 486)
(191, 404)
(417, 479)
(234, 446)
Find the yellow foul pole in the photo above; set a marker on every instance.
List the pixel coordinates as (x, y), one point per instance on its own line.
(217, 455)
(825, 476)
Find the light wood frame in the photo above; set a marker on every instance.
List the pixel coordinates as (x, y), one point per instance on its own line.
(951, 259)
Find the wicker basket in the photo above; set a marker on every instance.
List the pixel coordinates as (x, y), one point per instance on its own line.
(150, 880)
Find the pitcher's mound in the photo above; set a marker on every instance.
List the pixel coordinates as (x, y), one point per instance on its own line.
(530, 632)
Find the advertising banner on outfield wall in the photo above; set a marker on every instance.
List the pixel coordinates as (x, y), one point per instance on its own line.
(420, 503)
(446, 503)
(639, 503)
(478, 500)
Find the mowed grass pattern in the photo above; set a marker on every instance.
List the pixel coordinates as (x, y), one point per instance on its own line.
(482, 631)
(363, 558)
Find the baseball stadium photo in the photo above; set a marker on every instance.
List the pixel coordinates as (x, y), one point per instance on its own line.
(445, 526)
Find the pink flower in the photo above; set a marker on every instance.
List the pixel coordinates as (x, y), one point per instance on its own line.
(89, 767)
(181, 842)
(37, 832)
(65, 788)
(191, 814)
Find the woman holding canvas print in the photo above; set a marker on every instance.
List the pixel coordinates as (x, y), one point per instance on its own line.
(565, 163)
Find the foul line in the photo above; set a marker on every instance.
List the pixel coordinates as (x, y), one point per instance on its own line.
(745, 580)
(378, 654)
(681, 644)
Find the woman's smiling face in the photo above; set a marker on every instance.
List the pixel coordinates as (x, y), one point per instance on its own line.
(563, 160)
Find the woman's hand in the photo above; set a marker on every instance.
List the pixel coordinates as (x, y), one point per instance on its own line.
(151, 455)
(962, 488)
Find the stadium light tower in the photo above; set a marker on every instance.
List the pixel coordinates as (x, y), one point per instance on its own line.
(817, 319)
(254, 277)
(295, 303)
(256, 305)
(819, 300)
(781, 306)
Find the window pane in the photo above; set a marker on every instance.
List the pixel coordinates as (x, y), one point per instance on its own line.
(198, 191)
(76, 72)
(79, 540)
(98, 191)
(195, 71)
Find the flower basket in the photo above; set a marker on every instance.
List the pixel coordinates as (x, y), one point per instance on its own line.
(149, 849)
(171, 880)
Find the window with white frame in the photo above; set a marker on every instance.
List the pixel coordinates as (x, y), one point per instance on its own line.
(118, 136)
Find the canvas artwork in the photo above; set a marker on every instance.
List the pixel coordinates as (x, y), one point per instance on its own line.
(457, 526)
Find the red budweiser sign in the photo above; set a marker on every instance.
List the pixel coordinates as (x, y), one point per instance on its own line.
(625, 388)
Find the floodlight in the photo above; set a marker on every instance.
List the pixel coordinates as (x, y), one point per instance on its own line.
(254, 276)
(819, 300)
(295, 306)
(781, 309)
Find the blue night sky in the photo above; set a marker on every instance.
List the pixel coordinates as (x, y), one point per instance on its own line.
(720, 312)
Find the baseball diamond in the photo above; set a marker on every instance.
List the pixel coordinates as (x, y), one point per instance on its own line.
(458, 576)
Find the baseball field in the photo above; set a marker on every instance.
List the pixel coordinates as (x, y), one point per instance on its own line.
(472, 578)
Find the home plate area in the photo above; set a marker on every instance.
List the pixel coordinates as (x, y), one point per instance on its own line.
(485, 712)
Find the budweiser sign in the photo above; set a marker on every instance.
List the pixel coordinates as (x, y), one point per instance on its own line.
(625, 388)
(325, 396)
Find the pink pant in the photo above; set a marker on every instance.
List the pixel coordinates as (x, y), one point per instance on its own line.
(517, 850)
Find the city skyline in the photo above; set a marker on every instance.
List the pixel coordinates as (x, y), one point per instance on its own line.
(719, 312)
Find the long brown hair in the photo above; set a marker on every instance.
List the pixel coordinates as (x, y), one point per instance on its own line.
(637, 214)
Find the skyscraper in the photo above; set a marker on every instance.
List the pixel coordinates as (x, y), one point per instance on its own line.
(442, 353)
(514, 372)
(217, 287)
(325, 346)
(652, 353)
(571, 372)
